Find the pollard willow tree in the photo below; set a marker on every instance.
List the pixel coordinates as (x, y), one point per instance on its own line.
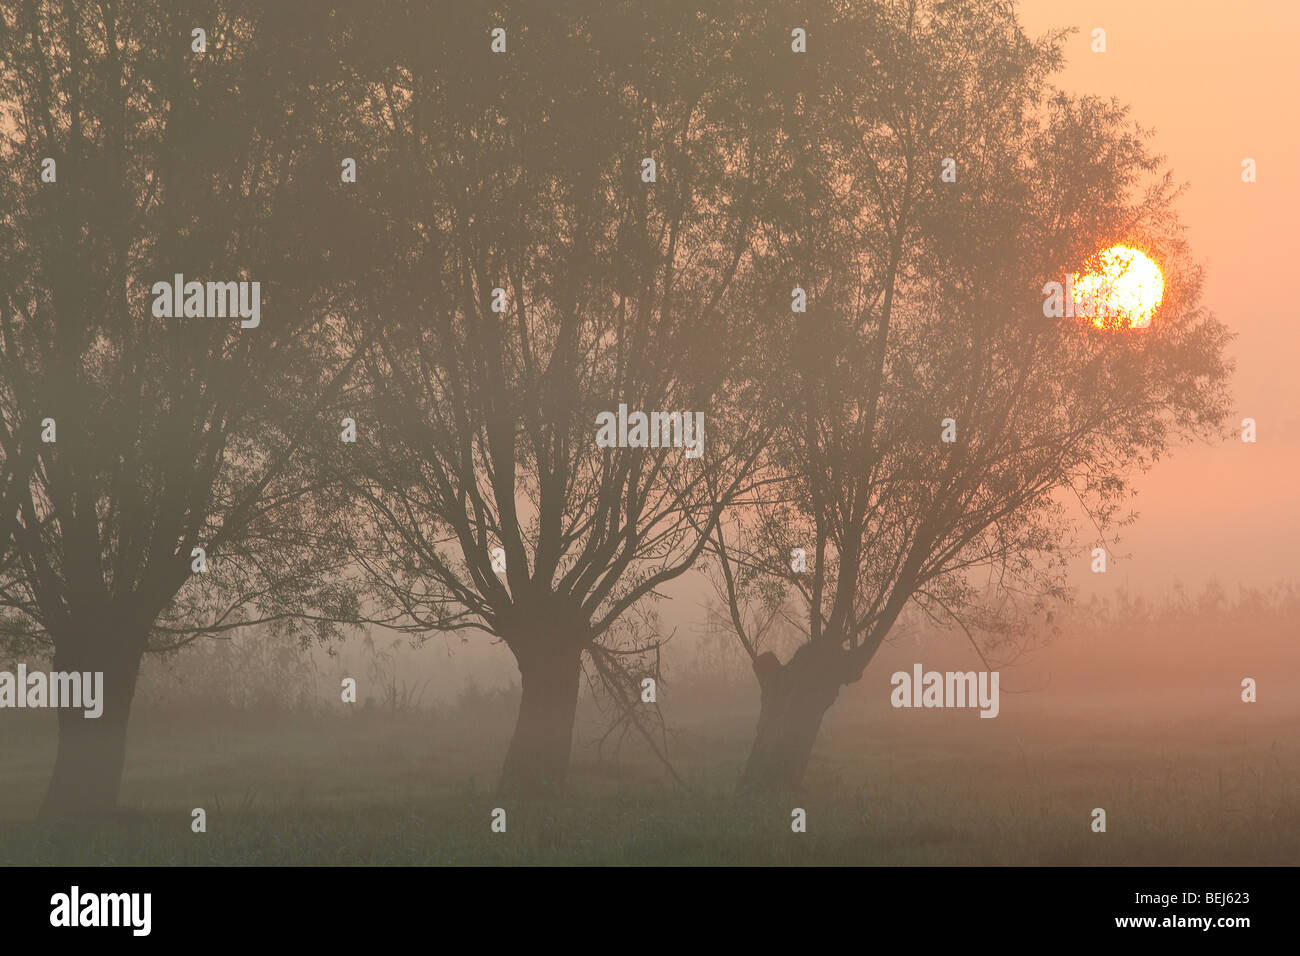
(145, 437)
(926, 322)
(574, 198)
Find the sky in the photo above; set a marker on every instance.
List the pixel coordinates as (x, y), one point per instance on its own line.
(1216, 81)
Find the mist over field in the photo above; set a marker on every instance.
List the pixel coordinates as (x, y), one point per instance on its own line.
(1135, 707)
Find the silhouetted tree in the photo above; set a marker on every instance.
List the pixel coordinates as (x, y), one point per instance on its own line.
(172, 433)
(926, 303)
(522, 171)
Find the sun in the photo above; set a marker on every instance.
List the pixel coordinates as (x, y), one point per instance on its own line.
(1121, 288)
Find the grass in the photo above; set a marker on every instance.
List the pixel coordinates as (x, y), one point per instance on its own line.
(884, 789)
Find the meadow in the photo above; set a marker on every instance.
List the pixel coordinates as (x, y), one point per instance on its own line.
(1188, 774)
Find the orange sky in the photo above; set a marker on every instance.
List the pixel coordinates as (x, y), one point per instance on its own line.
(1217, 81)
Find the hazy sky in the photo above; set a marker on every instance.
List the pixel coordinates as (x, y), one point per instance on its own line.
(1216, 80)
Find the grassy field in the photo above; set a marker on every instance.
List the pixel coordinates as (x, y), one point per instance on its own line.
(1189, 783)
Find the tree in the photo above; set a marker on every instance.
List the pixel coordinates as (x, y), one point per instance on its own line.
(926, 305)
(574, 215)
(171, 433)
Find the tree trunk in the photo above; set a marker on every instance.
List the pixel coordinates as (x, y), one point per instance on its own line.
(538, 759)
(91, 754)
(795, 698)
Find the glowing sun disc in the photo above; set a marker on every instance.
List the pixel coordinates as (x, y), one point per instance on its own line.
(1122, 288)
